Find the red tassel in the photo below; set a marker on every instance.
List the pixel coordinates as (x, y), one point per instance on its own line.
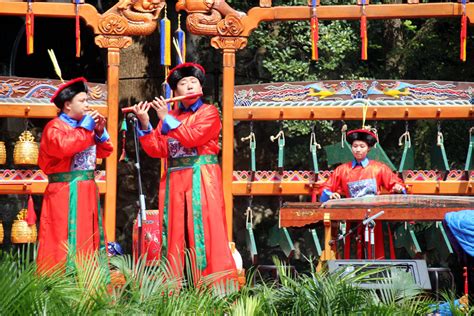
(30, 30)
(466, 281)
(31, 214)
(363, 36)
(463, 37)
(78, 34)
(123, 155)
(314, 38)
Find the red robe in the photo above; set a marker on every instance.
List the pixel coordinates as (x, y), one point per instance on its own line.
(64, 148)
(360, 181)
(198, 134)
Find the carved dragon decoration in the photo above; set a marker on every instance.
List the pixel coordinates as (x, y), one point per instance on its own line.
(131, 17)
(211, 17)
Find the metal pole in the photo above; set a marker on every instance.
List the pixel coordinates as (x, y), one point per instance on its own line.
(141, 197)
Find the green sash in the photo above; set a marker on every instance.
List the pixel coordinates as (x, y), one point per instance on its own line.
(73, 178)
(195, 162)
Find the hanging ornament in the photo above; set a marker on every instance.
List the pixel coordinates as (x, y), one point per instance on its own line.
(165, 42)
(3, 153)
(30, 28)
(123, 129)
(23, 233)
(180, 42)
(1, 233)
(31, 214)
(363, 30)
(314, 31)
(78, 28)
(166, 89)
(26, 150)
(463, 31)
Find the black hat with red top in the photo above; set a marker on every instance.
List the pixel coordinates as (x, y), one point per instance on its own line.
(364, 135)
(69, 90)
(186, 70)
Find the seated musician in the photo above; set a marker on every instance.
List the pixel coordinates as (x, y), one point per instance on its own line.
(362, 177)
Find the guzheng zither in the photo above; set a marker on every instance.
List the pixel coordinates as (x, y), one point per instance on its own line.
(396, 207)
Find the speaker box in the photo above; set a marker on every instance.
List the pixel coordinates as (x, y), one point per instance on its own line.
(417, 269)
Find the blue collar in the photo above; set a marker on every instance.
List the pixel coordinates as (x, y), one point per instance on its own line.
(68, 120)
(194, 107)
(363, 163)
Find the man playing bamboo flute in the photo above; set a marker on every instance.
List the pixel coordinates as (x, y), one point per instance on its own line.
(362, 177)
(190, 194)
(71, 222)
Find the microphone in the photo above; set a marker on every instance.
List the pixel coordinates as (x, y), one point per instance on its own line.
(131, 116)
(333, 241)
(371, 218)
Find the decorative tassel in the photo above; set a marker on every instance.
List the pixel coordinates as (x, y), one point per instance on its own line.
(30, 28)
(466, 281)
(463, 36)
(78, 30)
(314, 31)
(31, 214)
(165, 43)
(166, 89)
(180, 37)
(314, 38)
(363, 36)
(123, 129)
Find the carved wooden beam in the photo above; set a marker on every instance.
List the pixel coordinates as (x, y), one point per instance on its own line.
(218, 18)
(244, 113)
(125, 18)
(57, 10)
(352, 12)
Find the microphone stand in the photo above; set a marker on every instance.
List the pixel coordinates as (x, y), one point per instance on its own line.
(141, 197)
(369, 240)
(369, 223)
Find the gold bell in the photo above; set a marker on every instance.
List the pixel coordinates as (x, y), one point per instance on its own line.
(3, 153)
(26, 150)
(22, 233)
(1, 233)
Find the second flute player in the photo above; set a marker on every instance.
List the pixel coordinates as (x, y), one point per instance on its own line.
(190, 195)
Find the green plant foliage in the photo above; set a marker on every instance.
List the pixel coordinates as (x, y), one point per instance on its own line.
(286, 48)
(150, 290)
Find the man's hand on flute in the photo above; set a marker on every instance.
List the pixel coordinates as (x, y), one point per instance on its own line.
(99, 121)
(100, 125)
(141, 111)
(160, 106)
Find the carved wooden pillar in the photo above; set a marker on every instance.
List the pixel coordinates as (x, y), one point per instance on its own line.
(228, 45)
(113, 45)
